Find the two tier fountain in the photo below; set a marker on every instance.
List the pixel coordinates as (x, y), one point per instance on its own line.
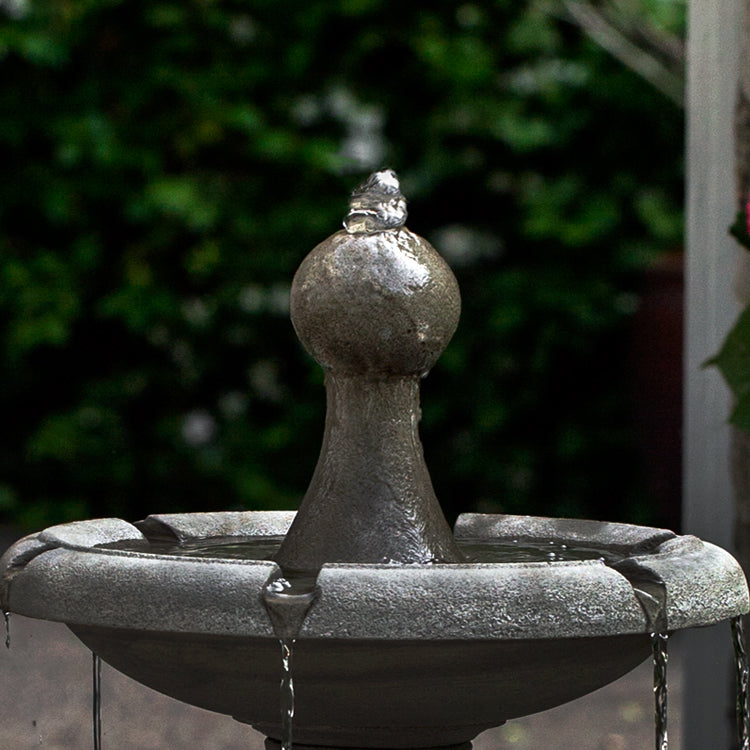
(408, 634)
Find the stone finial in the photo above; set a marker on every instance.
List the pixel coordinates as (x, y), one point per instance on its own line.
(375, 298)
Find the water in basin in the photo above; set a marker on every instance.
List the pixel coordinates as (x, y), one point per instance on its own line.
(474, 550)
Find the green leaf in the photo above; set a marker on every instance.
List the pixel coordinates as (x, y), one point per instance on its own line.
(733, 360)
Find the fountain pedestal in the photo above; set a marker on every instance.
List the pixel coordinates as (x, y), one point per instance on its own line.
(375, 305)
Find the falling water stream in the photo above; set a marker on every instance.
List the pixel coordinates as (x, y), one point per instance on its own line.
(96, 693)
(651, 593)
(659, 646)
(287, 601)
(742, 672)
(6, 616)
(287, 695)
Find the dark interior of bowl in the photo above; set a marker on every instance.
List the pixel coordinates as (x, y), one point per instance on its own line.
(370, 693)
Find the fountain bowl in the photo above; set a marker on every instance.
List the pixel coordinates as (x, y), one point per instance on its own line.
(388, 656)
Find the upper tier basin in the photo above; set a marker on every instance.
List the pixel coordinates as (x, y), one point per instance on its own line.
(387, 656)
(412, 653)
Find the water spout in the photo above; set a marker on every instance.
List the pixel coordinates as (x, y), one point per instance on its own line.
(287, 601)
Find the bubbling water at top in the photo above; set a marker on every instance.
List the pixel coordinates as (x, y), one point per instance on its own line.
(377, 205)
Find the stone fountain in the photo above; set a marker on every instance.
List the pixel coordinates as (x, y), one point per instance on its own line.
(406, 636)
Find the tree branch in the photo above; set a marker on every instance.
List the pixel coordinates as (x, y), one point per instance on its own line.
(640, 61)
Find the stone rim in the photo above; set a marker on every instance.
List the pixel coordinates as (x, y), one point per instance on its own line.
(60, 574)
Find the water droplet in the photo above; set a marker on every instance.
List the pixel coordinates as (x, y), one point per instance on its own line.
(377, 205)
(279, 586)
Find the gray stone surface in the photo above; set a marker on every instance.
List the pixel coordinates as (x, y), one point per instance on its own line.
(181, 527)
(120, 589)
(704, 584)
(474, 602)
(86, 534)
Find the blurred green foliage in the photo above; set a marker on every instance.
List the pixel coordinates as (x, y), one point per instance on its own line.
(167, 165)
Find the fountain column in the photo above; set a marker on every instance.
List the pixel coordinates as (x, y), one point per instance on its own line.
(375, 305)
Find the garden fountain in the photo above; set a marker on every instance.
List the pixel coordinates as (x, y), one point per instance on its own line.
(407, 634)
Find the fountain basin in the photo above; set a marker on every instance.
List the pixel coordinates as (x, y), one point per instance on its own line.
(388, 655)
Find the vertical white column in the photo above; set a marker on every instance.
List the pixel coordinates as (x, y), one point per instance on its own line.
(714, 43)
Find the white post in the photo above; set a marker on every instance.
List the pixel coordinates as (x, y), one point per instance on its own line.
(714, 42)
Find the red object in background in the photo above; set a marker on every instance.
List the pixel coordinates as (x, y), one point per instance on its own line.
(656, 351)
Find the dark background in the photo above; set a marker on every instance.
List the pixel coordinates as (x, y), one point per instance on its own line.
(166, 166)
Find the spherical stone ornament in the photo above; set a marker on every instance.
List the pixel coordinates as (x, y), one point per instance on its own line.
(375, 298)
